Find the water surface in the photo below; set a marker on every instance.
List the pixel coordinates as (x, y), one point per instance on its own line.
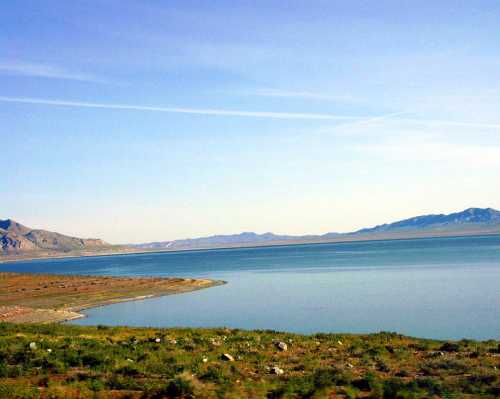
(437, 288)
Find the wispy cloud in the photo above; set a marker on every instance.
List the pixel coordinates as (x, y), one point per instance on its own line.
(46, 71)
(197, 111)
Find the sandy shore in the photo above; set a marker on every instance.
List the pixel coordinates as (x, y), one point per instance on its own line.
(45, 298)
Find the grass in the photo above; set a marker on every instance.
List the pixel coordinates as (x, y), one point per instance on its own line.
(61, 361)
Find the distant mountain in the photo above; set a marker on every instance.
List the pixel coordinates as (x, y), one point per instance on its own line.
(18, 239)
(220, 240)
(472, 220)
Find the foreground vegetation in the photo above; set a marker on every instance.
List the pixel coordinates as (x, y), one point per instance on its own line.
(60, 361)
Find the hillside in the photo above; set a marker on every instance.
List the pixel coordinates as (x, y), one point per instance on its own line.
(469, 219)
(18, 239)
(62, 361)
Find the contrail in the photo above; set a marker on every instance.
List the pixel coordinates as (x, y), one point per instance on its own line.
(357, 120)
(221, 112)
(365, 121)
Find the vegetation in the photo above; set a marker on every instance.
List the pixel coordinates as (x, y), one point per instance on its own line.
(61, 361)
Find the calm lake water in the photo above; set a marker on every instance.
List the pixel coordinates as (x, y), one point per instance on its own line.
(437, 288)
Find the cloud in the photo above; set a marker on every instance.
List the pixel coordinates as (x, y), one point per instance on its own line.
(45, 71)
(197, 111)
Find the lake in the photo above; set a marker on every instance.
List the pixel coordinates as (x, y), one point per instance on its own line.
(436, 288)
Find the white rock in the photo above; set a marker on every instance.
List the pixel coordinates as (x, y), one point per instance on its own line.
(32, 345)
(228, 357)
(282, 346)
(276, 370)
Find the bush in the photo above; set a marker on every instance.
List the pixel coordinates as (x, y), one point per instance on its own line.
(450, 347)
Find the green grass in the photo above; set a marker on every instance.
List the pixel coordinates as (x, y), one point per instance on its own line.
(103, 362)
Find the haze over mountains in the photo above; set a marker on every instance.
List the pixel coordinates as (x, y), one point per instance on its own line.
(16, 239)
(469, 221)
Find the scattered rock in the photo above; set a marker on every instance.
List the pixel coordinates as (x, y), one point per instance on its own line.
(349, 365)
(227, 357)
(49, 350)
(282, 346)
(204, 360)
(130, 361)
(276, 370)
(157, 340)
(32, 345)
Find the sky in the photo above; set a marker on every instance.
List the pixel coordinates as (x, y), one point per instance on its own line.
(147, 120)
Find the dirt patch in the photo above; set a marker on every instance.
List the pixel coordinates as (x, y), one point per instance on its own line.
(31, 298)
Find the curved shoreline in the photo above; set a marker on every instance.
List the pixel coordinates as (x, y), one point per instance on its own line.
(46, 298)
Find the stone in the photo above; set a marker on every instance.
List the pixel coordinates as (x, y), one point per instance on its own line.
(276, 370)
(32, 345)
(227, 357)
(282, 346)
(204, 360)
(157, 340)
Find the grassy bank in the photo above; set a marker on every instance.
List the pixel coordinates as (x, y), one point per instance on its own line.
(59, 361)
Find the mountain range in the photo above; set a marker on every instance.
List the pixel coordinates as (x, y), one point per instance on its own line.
(16, 239)
(469, 221)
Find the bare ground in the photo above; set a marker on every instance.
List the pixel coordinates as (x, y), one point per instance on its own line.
(42, 298)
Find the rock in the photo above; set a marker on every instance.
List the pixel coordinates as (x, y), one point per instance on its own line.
(340, 342)
(172, 341)
(282, 346)
(276, 370)
(157, 340)
(130, 361)
(227, 357)
(349, 365)
(204, 360)
(49, 350)
(32, 345)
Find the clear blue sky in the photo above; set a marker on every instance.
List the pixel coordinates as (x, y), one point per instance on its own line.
(153, 120)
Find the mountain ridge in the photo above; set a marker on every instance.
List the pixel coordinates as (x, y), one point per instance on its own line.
(469, 220)
(16, 238)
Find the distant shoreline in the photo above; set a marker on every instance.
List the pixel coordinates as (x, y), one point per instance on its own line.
(338, 240)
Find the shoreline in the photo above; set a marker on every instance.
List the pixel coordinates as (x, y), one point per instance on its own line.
(77, 310)
(339, 240)
(48, 298)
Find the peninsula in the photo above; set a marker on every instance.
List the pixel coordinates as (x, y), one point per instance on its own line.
(42, 298)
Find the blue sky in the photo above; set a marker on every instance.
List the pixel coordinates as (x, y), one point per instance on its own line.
(150, 120)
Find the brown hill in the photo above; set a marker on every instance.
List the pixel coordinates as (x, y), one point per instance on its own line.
(18, 239)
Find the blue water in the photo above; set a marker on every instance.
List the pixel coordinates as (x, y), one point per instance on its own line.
(436, 288)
